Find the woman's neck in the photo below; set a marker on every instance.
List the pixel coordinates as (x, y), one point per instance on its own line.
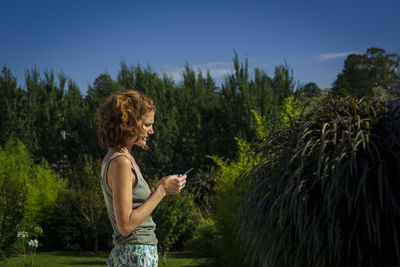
(124, 150)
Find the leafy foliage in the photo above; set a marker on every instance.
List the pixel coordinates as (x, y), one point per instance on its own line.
(14, 171)
(310, 90)
(44, 186)
(12, 117)
(291, 109)
(325, 192)
(229, 194)
(87, 196)
(202, 187)
(264, 125)
(176, 217)
(30, 191)
(204, 240)
(362, 73)
(283, 82)
(66, 229)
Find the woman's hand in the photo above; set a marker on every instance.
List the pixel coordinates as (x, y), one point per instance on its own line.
(172, 184)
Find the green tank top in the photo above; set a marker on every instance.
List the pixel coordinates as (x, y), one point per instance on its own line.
(144, 233)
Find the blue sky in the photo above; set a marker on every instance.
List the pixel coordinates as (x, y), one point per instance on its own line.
(86, 38)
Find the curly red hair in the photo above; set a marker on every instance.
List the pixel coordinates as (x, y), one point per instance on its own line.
(118, 117)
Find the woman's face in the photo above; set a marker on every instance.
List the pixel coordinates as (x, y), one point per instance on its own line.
(146, 127)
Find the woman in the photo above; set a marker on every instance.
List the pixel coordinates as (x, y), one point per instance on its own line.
(124, 120)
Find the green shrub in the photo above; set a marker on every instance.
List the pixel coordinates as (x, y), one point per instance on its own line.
(87, 196)
(291, 109)
(15, 164)
(176, 217)
(326, 191)
(78, 220)
(204, 240)
(65, 228)
(229, 195)
(29, 194)
(216, 236)
(44, 186)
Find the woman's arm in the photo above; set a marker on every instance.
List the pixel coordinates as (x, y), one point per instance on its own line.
(122, 179)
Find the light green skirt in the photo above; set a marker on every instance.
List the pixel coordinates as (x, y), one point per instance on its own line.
(133, 255)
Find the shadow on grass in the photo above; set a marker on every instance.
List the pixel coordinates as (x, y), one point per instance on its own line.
(82, 253)
(182, 254)
(87, 258)
(80, 256)
(189, 255)
(89, 263)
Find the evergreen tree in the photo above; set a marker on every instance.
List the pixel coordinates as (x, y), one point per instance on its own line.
(74, 132)
(283, 83)
(103, 87)
(12, 109)
(45, 108)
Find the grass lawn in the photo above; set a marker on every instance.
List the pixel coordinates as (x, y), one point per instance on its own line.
(85, 259)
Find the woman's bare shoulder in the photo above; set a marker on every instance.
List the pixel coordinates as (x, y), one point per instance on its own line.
(121, 168)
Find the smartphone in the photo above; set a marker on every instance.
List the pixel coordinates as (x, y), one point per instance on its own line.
(186, 172)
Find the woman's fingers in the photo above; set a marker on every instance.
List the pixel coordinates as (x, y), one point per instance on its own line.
(177, 183)
(181, 180)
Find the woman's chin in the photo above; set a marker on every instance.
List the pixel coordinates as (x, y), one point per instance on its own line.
(141, 144)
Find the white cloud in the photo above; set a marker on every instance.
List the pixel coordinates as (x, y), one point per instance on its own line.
(217, 70)
(219, 73)
(211, 64)
(175, 75)
(328, 56)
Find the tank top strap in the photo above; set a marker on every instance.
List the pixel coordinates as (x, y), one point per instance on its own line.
(115, 156)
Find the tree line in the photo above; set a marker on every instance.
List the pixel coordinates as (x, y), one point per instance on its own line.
(194, 118)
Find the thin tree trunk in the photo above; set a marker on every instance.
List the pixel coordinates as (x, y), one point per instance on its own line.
(95, 239)
(164, 257)
(96, 244)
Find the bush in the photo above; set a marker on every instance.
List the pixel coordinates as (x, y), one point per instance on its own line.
(176, 217)
(15, 164)
(64, 228)
(204, 240)
(78, 220)
(44, 186)
(229, 195)
(326, 191)
(32, 196)
(216, 236)
(87, 196)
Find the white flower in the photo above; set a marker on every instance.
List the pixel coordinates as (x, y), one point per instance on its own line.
(33, 243)
(22, 234)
